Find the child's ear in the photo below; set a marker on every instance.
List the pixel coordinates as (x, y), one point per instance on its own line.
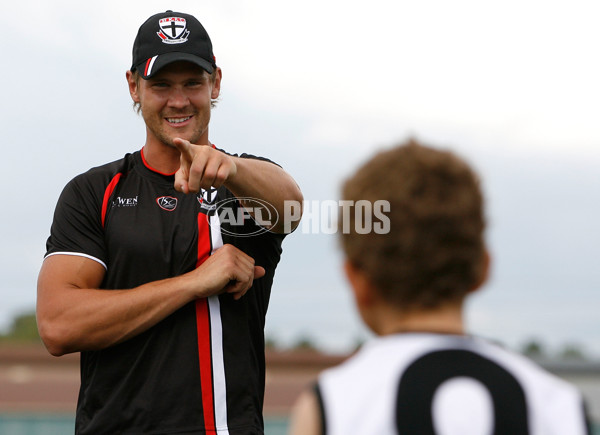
(485, 272)
(362, 288)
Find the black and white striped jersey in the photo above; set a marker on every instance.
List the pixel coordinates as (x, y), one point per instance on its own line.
(424, 383)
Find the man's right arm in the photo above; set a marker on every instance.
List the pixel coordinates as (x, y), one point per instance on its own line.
(74, 314)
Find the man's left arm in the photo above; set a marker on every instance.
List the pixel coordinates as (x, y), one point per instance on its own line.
(266, 181)
(204, 167)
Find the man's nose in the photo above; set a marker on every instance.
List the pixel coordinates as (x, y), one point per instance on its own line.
(178, 98)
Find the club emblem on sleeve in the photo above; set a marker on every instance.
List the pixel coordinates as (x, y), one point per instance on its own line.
(173, 30)
(167, 203)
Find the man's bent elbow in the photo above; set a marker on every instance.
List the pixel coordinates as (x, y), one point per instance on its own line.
(53, 338)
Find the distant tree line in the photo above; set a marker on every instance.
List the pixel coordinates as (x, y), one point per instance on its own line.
(532, 348)
(24, 330)
(535, 349)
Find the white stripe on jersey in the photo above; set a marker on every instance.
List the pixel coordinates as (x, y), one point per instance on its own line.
(216, 340)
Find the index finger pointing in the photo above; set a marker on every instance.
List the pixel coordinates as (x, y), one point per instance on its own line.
(184, 148)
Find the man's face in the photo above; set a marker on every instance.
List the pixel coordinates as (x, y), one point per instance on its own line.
(176, 102)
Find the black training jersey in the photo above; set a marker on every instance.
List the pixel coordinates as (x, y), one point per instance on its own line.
(421, 383)
(201, 369)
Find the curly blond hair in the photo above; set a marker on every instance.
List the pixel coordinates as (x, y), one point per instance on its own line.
(434, 252)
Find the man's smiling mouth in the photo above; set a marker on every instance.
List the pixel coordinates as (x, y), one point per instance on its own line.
(178, 120)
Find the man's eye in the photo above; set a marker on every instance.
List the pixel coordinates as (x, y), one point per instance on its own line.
(159, 85)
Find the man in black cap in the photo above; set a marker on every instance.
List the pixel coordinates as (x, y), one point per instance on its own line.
(159, 266)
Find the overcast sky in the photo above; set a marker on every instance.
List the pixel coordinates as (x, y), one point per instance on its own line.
(318, 86)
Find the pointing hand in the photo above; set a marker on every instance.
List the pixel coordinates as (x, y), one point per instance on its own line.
(201, 166)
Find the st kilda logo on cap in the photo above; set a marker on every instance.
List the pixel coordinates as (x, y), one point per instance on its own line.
(173, 30)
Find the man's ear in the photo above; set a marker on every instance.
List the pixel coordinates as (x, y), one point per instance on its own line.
(133, 87)
(216, 86)
(364, 295)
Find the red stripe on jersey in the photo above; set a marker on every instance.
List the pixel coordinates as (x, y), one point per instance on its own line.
(109, 190)
(205, 358)
(151, 168)
(203, 328)
(204, 242)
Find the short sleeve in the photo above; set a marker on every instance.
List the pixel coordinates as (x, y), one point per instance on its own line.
(77, 226)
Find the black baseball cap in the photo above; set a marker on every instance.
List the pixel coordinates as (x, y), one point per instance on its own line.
(169, 37)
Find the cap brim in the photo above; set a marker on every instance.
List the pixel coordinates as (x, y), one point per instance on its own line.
(150, 67)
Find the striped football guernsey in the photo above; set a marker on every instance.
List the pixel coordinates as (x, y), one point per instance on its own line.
(423, 383)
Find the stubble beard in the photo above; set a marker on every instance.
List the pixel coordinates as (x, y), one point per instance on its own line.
(201, 126)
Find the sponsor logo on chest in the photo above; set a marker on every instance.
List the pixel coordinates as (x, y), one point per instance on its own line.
(206, 199)
(120, 201)
(168, 203)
